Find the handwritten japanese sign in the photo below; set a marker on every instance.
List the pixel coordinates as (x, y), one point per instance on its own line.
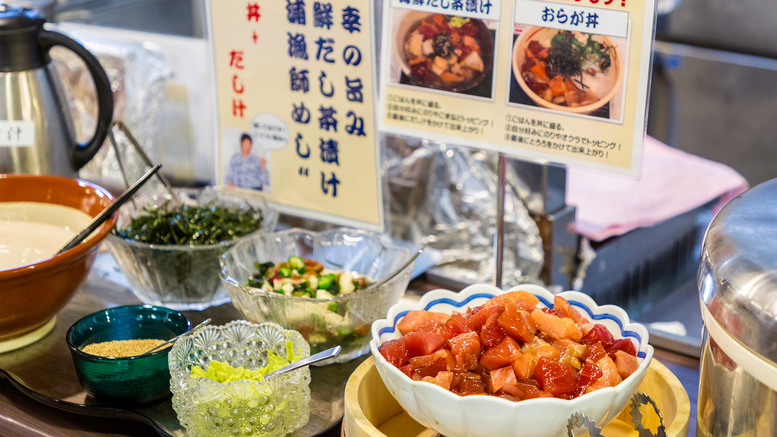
(561, 81)
(295, 94)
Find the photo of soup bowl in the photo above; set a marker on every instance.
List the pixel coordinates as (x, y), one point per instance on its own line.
(605, 87)
(410, 22)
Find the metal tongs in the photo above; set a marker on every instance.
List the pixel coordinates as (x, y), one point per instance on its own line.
(143, 157)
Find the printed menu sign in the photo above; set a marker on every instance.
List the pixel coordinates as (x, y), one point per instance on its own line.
(295, 105)
(564, 81)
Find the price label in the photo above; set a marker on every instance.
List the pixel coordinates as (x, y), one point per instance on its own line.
(17, 133)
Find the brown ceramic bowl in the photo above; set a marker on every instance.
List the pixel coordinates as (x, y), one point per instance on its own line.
(31, 295)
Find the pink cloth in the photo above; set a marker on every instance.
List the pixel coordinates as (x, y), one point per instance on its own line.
(672, 182)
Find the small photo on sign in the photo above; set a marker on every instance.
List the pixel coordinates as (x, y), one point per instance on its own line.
(443, 52)
(247, 163)
(567, 71)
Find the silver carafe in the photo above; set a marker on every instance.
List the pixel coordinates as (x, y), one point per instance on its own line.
(738, 290)
(36, 132)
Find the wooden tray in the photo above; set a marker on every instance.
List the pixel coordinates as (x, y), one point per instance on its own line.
(371, 411)
(44, 370)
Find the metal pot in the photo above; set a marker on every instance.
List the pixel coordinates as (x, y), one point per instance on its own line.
(738, 289)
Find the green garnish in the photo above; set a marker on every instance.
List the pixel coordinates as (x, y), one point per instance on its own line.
(325, 282)
(191, 225)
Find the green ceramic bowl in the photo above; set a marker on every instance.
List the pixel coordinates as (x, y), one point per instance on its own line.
(128, 380)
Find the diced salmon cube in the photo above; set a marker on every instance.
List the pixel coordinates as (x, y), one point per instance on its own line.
(524, 366)
(541, 348)
(415, 321)
(516, 323)
(466, 350)
(625, 363)
(443, 379)
(555, 327)
(431, 365)
(610, 376)
(502, 376)
(501, 355)
(513, 296)
(561, 305)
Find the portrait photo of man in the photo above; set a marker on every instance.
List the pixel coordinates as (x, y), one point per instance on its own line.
(247, 170)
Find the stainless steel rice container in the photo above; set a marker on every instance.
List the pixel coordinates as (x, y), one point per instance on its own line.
(738, 291)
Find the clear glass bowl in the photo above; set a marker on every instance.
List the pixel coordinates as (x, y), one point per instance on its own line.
(182, 277)
(366, 253)
(275, 406)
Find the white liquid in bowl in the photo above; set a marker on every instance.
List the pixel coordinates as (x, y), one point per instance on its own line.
(31, 232)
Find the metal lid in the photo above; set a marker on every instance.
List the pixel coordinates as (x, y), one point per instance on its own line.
(738, 271)
(20, 47)
(13, 18)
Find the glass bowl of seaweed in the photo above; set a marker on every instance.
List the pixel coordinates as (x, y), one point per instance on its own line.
(169, 249)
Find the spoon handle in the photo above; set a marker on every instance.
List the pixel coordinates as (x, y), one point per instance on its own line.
(191, 331)
(321, 356)
(107, 212)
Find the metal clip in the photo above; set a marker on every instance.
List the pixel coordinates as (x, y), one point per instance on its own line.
(579, 420)
(637, 401)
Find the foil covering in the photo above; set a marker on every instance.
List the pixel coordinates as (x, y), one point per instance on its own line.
(445, 197)
(138, 75)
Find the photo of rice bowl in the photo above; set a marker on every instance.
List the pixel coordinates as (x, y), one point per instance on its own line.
(567, 71)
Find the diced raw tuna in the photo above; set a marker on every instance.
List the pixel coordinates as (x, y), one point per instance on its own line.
(456, 325)
(421, 321)
(467, 383)
(422, 343)
(395, 352)
(516, 323)
(625, 363)
(479, 318)
(594, 353)
(555, 327)
(491, 334)
(599, 333)
(501, 355)
(588, 375)
(623, 344)
(554, 377)
(408, 369)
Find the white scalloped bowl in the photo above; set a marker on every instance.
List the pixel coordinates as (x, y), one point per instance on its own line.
(489, 416)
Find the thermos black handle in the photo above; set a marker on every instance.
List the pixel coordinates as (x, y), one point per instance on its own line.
(83, 153)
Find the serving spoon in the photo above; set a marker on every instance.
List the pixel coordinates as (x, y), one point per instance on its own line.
(399, 270)
(321, 356)
(191, 331)
(108, 212)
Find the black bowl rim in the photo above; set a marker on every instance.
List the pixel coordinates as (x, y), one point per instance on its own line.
(84, 355)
